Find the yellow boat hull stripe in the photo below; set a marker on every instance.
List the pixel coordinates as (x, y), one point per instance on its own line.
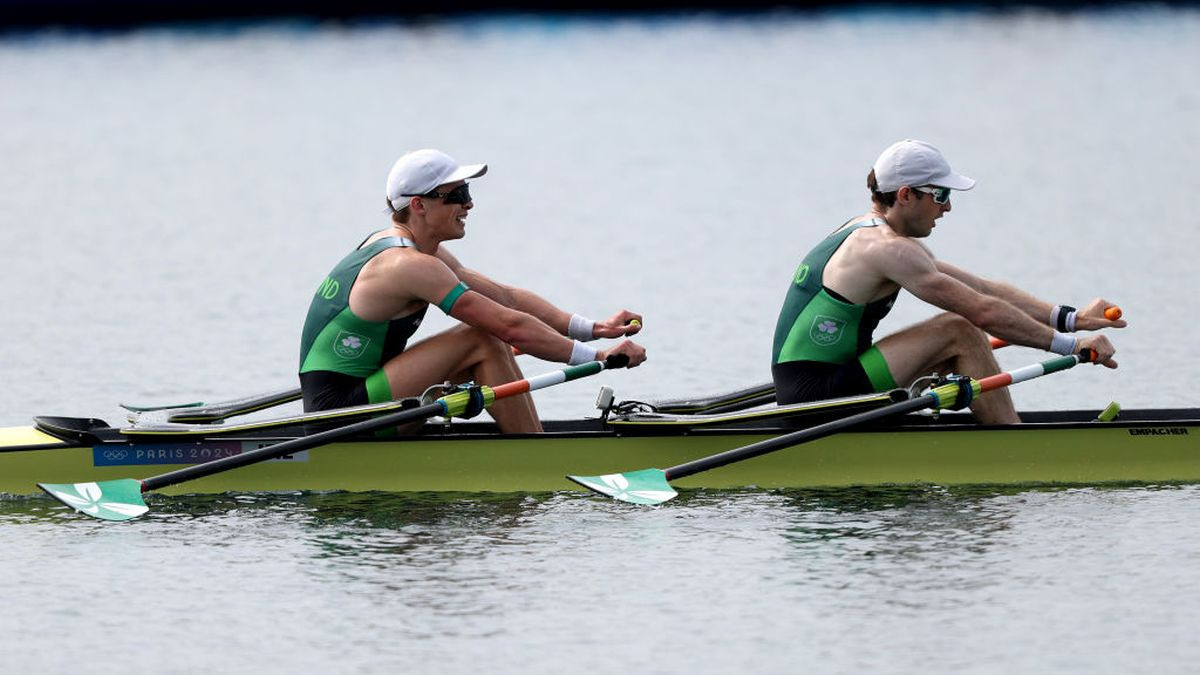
(27, 436)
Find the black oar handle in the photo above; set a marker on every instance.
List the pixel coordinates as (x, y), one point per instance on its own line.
(798, 437)
(616, 361)
(293, 446)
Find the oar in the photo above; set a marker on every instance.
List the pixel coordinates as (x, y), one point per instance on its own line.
(121, 499)
(650, 486)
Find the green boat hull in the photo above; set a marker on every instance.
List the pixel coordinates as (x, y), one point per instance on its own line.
(1151, 447)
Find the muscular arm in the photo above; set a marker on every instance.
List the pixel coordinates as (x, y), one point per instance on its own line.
(620, 324)
(510, 297)
(1090, 317)
(1038, 310)
(998, 309)
(427, 278)
(524, 331)
(391, 282)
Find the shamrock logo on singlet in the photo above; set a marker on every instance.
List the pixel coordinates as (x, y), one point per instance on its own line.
(350, 345)
(826, 330)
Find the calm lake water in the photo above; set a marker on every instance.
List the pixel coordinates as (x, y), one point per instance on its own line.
(173, 196)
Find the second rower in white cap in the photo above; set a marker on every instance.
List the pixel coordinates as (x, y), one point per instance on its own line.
(824, 345)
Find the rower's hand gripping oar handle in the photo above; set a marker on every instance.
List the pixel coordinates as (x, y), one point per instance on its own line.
(616, 361)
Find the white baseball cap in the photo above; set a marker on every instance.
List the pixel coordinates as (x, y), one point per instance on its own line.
(420, 171)
(916, 163)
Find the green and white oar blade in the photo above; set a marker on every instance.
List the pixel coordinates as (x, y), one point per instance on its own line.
(648, 486)
(108, 500)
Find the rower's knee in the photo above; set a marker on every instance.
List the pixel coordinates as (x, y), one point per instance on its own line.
(962, 334)
(484, 345)
(496, 349)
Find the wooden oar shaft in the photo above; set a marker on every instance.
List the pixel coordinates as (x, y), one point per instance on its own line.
(939, 397)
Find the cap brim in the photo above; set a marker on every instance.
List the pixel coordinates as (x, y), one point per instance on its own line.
(465, 172)
(955, 182)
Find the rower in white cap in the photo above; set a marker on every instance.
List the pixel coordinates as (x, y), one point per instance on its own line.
(354, 346)
(823, 344)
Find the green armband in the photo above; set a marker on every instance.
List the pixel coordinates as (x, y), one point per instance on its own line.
(447, 303)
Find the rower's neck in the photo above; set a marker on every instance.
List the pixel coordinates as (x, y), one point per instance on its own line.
(895, 223)
(404, 231)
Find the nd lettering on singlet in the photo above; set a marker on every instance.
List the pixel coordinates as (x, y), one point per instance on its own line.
(817, 324)
(336, 340)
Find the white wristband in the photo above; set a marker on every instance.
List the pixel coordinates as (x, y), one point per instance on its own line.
(1064, 344)
(580, 328)
(581, 353)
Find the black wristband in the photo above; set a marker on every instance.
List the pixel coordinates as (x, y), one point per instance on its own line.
(1061, 319)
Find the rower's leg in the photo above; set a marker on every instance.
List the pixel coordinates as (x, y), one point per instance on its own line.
(461, 354)
(948, 343)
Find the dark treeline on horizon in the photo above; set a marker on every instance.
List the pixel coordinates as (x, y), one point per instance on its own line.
(128, 13)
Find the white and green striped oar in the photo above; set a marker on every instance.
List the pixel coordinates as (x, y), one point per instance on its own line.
(651, 486)
(121, 499)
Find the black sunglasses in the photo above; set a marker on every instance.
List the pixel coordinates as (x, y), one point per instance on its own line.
(459, 195)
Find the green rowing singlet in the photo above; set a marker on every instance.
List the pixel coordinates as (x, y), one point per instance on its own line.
(336, 340)
(817, 324)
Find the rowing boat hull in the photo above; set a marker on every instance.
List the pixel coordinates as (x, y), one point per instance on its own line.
(1153, 447)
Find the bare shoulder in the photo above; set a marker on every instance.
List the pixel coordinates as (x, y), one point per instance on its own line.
(395, 280)
(403, 263)
(884, 245)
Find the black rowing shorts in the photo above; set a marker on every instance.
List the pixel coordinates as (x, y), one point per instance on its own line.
(804, 381)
